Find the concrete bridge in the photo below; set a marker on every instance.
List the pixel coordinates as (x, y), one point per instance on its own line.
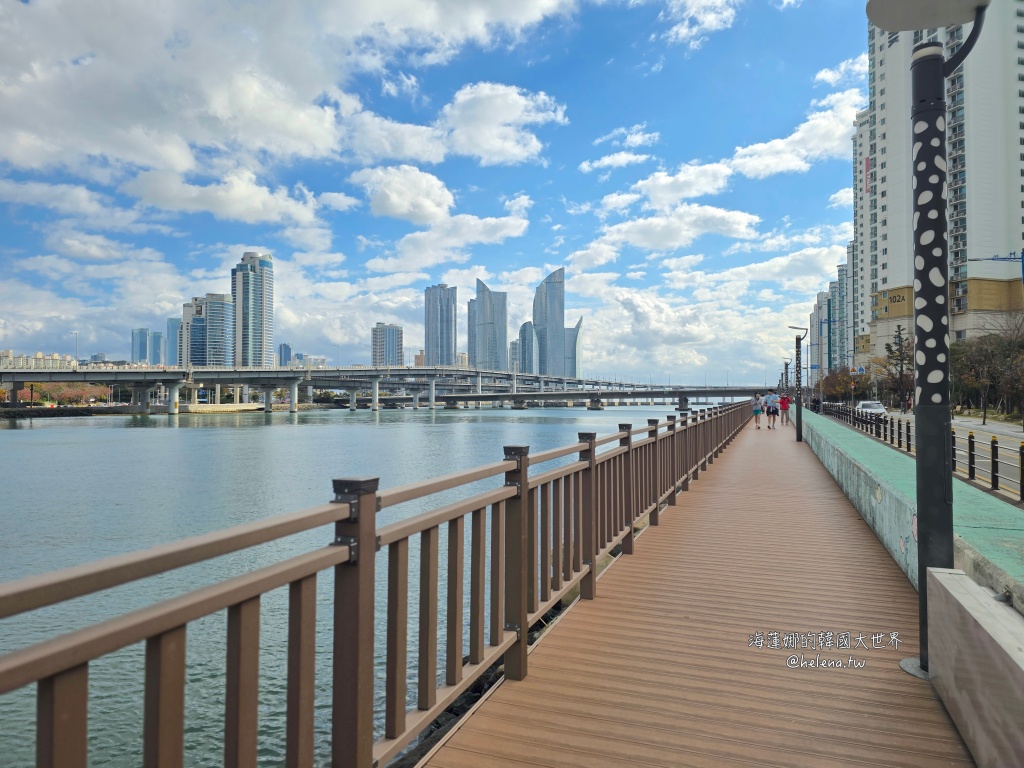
(733, 609)
(407, 385)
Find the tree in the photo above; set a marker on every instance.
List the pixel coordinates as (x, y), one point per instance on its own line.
(838, 385)
(896, 368)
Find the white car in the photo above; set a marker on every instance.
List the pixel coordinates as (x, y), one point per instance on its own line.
(871, 408)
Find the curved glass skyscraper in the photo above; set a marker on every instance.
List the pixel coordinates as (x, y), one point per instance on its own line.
(529, 349)
(548, 322)
(488, 321)
(252, 289)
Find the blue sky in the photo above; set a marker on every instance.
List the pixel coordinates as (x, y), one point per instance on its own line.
(687, 162)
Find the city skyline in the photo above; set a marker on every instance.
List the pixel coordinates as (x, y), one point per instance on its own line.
(491, 143)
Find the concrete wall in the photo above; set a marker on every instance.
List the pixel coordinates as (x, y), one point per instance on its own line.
(988, 540)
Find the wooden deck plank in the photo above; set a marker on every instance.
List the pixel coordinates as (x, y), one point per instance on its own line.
(658, 670)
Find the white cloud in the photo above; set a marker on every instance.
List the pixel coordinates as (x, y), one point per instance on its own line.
(825, 134)
(238, 197)
(489, 121)
(372, 138)
(841, 199)
(694, 20)
(81, 203)
(618, 202)
(405, 192)
(614, 160)
(447, 240)
(519, 205)
(631, 137)
(337, 201)
(691, 180)
(576, 209)
(784, 239)
(849, 71)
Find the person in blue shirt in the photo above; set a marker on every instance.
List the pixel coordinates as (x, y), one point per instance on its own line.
(771, 406)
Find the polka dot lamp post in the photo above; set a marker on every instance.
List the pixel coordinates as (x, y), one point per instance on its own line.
(929, 70)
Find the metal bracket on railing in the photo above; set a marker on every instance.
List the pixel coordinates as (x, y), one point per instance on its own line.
(514, 628)
(348, 541)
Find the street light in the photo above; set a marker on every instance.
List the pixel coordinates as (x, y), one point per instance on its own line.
(799, 387)
(929, 70)
(785, 376)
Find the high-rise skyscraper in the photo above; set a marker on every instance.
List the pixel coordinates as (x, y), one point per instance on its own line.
(488, 317)
(549, 323)
(207, 332)
(386, 345)
(440, 307)
(471, 332)
(156, 348)
(252, 290)
(513, 355)
(529, 349)
(173, 329)
(284, 354)
(140, 345)
(985, 199)
(573, 351)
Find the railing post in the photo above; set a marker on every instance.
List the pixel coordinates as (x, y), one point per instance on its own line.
(588, 584)
(61, 718)
(352, 679)
(878, 426)
(899, 442)
(994, 473)
(1020, 471)
(517, 513)
(673, 452)
(910, 447)
(972, 457)
(656, 470)
(892, 430)
(630, 481)
(952, 449)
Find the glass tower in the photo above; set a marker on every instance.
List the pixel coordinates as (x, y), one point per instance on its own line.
(440, 304)
(173, 329)
(529, 349)
(156, 348)
(252, 290)
(573, 348)
(284, 354)
(140, 345)
(207, 332)
(489, 334)
(548, 322)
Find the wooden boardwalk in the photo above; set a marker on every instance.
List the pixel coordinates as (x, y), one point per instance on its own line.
(663, 669)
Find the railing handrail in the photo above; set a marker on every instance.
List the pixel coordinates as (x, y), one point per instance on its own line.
(45, 589)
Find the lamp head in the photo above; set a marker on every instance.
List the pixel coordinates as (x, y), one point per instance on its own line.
(902, 15)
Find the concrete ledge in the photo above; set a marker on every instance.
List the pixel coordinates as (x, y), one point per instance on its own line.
(988, 540)
(976, 661)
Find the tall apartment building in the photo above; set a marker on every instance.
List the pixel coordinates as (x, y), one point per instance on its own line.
(549, 323)
(440, 306)
(207, 333)
(818, 341)
(386, 345)
(488, 329)
(252, 291)
(839, 325)
(985, 200)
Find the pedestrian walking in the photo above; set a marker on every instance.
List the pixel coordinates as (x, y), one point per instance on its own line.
(784, 402)
(758, 408)
(771, 408)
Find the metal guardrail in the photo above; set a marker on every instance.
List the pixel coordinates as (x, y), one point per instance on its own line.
(544, 535)
(987, 463)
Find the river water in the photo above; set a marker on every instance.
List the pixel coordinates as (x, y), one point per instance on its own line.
(75, 490)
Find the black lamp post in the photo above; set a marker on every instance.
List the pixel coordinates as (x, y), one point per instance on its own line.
(929, 71)
(799, 387)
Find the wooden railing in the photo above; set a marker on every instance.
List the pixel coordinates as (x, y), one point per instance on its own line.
(985, 462)
(531, 539)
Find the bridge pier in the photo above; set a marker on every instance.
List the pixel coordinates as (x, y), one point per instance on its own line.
(293, 397)
(268, 399)
(245, 393)
(172, 399)
(433, 391)
(375, 399)
(309, 393)
(416, 401)
(352, 400)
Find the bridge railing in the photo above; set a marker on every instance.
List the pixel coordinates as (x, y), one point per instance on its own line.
(986, 462)
(531, 539)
